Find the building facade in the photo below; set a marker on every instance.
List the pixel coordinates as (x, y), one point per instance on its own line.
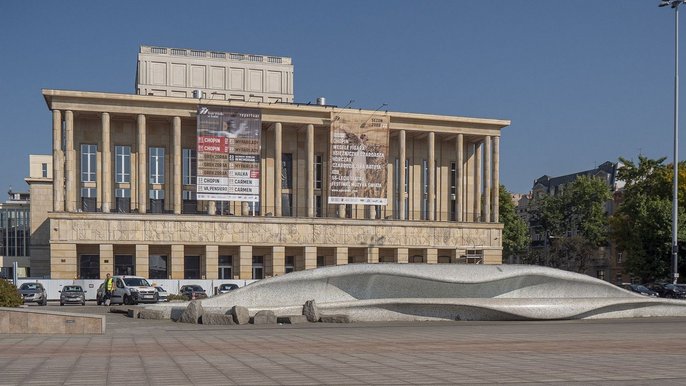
(15, 235)
(124, 196)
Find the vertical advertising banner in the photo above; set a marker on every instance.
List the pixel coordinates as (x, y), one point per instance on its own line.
(229, 154)
(358, 152)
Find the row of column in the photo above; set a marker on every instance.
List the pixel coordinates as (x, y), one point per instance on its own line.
(485, 186)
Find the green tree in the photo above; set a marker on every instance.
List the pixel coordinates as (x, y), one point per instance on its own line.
(574, 224)
(515, 231)
(9, 295)
(642, 226)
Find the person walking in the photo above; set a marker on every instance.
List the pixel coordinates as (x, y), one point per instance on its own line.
(108, 289)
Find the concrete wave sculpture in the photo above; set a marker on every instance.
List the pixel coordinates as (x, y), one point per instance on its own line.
(388, 292)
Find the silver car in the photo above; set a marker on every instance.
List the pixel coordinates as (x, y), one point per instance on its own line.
(34, 293)
(72, 294)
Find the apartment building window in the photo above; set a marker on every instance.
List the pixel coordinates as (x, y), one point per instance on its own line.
(122, 159)
(156, 165)
(88, 164)
(190, 165)
(287, 171)
(158, 268)
(619, 257)
(122, 200)
(318, 171)
(44, 170)
(88, 199)
(156, 201)
(453, 191)
(425, 190)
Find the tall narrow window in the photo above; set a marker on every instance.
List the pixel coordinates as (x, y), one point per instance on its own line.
(88, 165)
(453, 191)
(122, 159)
(407, 189)
(123, 200)
(287, 171)
(156, 165)
(189, 166)
(44, 170)
(156, 201)
(318, 171)
(396, 188)
(425, 190)
(88, 199)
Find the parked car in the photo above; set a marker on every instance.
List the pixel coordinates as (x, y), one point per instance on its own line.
(667, 290)
(100, 294)
(162, 294)
(192, 291)
(34, 293)
(72, 294)
(640, 289)
(226, 288)
(132, 290)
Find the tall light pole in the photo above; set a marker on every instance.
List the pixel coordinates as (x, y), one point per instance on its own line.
(675, 207)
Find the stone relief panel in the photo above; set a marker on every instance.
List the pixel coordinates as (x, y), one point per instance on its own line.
(126, 231)
(390, 235)
(264, 233)
(297, 233)
(158, 231)
(223, 232)
(475, 238)
(419, 237)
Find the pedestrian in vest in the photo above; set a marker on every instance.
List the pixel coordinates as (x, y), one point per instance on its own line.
(108, 289)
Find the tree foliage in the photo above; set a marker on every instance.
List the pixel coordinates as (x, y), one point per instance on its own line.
(642, 226)
(515, 230)
(9, 295)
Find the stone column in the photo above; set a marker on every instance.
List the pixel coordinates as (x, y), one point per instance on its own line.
(211, 262)
(177, 257)
(57, 163)
(403, 154)
(310, 257)
(372, 255)
(70, 164)
(177, 199)
(142, 165)
(496, 179)
(245, 262)
(142, 260)
(278, 261)
(278, 142)
(212, 208)
(106, 164)
(459, 178)
(487, 180)
(431, 255)
(341, 255)
(401, 255)
(478, 163)
(432, 176)
(341, 210)
(106, 260)
(310, 171)
(63, 262)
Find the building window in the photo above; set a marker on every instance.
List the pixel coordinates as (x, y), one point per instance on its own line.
(191, 267)
(601, 274)
(318, 203)
(321, 262)
(123, 265)
(453, 191)
(44, 170)
(257, 267)
(286, 204)
(14, 232)
(318, 171)
(225, 267)
(407, 189)
(88, 199)
(88, 164)
(190, 165)
(287, 171)
(89, 267)
(619, 257)
(122, 160)
(123, 200)
(156, 165)
(425, 190)
(156, 201)
(158, 267)
(290, 264)
(190, 204)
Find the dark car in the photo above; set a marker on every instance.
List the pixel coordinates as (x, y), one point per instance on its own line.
(34, 293)
(640, 289)
(192, 291)
(100, 294)
(73, 294)
(226, 288)
(667, 290)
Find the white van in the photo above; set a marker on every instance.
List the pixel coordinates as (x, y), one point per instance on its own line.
(132, 290)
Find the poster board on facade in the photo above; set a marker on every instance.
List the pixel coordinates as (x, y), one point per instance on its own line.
(358, 157)
(229, 144)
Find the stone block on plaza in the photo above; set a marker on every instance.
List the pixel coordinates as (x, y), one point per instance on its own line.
(264, 317)
(214, 319)
(334, 318)
(151, 314)
(311, 311)
(240, 315)
(133, 312)
(192, 313)
(292, 319)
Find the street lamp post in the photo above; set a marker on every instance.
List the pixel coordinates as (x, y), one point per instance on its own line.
(675, 208)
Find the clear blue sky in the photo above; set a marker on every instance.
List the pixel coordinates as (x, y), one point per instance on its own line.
(582, 81)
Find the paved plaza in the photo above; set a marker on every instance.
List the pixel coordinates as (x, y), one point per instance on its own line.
(629, 351)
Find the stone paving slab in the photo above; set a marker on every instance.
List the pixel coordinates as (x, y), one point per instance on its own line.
(161, 352)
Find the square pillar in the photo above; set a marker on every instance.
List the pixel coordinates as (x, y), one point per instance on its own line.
(431, 255)
(63, 261)
(176, 151)
(278, 261)
(459, 178)
(493, 256)
(277, 168)
(142, 165)
(106, 164)
(401, 174)
(57, 162)
(432, 176)
(401, 255)
(486, 210)
(341, 255)
(106, 260)
(245, 262)
(496, 179)
(310, 257)
(211, 262)
(372, 255)
(70, 164)
(177, 256)
(142, 260)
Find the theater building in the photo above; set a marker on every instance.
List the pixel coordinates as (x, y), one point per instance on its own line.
(133, 192)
